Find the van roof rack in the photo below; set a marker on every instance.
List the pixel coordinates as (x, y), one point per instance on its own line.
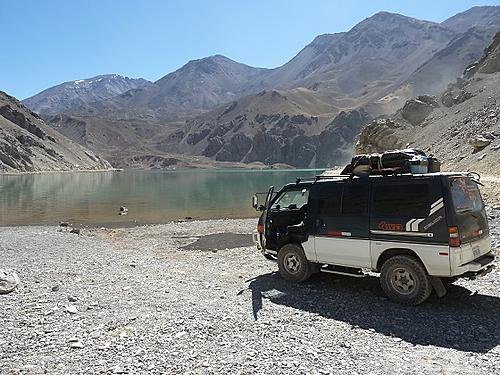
(394, 162)
(322, 177)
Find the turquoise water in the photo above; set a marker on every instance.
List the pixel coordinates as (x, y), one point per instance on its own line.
(151, 196)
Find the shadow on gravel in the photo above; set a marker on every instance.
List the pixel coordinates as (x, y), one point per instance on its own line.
(220, 241)
(461, 320)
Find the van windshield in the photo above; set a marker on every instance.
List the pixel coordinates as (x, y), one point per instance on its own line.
(291, 199)
(465, 195)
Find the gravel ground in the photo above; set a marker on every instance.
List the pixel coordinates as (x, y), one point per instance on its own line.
(147, 300)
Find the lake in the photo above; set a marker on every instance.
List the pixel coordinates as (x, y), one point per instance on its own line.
(94, 198)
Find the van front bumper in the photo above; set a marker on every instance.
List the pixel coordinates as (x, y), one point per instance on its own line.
(478, 267)
(256, 237)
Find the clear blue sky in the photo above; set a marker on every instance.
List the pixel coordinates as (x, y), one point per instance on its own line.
(47, 42)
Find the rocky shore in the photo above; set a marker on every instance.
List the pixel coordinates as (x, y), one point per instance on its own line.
(197, 298)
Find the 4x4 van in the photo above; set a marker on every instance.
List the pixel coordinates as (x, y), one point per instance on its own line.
(418, 231)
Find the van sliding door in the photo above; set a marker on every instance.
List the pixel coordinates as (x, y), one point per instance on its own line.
(342, 224)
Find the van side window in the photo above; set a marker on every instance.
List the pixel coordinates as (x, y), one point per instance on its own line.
(404, 200)
(328, 199)
(354, 199)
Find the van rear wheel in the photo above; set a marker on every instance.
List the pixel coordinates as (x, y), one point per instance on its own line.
(292, 263)
(404, 280)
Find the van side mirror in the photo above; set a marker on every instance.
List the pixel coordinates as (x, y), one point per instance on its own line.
(255, 200)
(255, 204)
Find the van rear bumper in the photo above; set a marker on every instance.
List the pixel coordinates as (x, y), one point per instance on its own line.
(478, 267)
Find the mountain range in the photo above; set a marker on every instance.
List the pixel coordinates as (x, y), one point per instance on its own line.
(27, 144)
(307, 112)
(460, 126)
(75, 94)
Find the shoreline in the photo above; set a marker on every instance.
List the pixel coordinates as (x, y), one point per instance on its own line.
(229, 168)
(130, 225)
(143, 224)
(60, 172)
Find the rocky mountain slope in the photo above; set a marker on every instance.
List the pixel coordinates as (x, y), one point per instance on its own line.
(375, 54)
(448, 64)
(75, 94)
(128, 144)
(123, 128)
(271, 127)
(197, 86)
(223, 110)
(487, 16)
(200, 85)
(266, 126)
(27, 144)
(461, 126)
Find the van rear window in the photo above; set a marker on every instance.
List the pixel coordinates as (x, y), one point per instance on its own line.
(402, 200)
(465, 195)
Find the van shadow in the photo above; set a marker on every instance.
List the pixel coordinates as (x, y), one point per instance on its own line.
(461, 320)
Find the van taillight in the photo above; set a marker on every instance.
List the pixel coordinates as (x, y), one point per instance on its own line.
(260, 228)
(454, 240)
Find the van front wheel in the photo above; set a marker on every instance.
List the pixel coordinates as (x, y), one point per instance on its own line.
(404, 280)
(292, 263)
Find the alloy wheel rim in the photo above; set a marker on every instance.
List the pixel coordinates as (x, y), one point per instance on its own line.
(403, 280)
(292, 263)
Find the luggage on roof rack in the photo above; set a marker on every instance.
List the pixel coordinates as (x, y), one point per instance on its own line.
(393, 162)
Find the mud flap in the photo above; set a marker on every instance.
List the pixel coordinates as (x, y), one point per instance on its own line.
(438, 286)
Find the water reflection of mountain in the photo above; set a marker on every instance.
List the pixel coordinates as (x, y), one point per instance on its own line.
(151, 196)
(44, 198)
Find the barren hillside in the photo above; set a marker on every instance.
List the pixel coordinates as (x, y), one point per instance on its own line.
(27, 144)
(461, 126)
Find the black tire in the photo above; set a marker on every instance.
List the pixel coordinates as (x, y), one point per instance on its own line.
(292, 263)
(405, 281)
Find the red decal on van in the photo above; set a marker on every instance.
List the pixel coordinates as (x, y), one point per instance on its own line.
(390, 226)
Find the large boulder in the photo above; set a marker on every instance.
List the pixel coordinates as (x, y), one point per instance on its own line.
(379, 136)
(478, 143)
(416, 110)
(8, 281)
(454, 96)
